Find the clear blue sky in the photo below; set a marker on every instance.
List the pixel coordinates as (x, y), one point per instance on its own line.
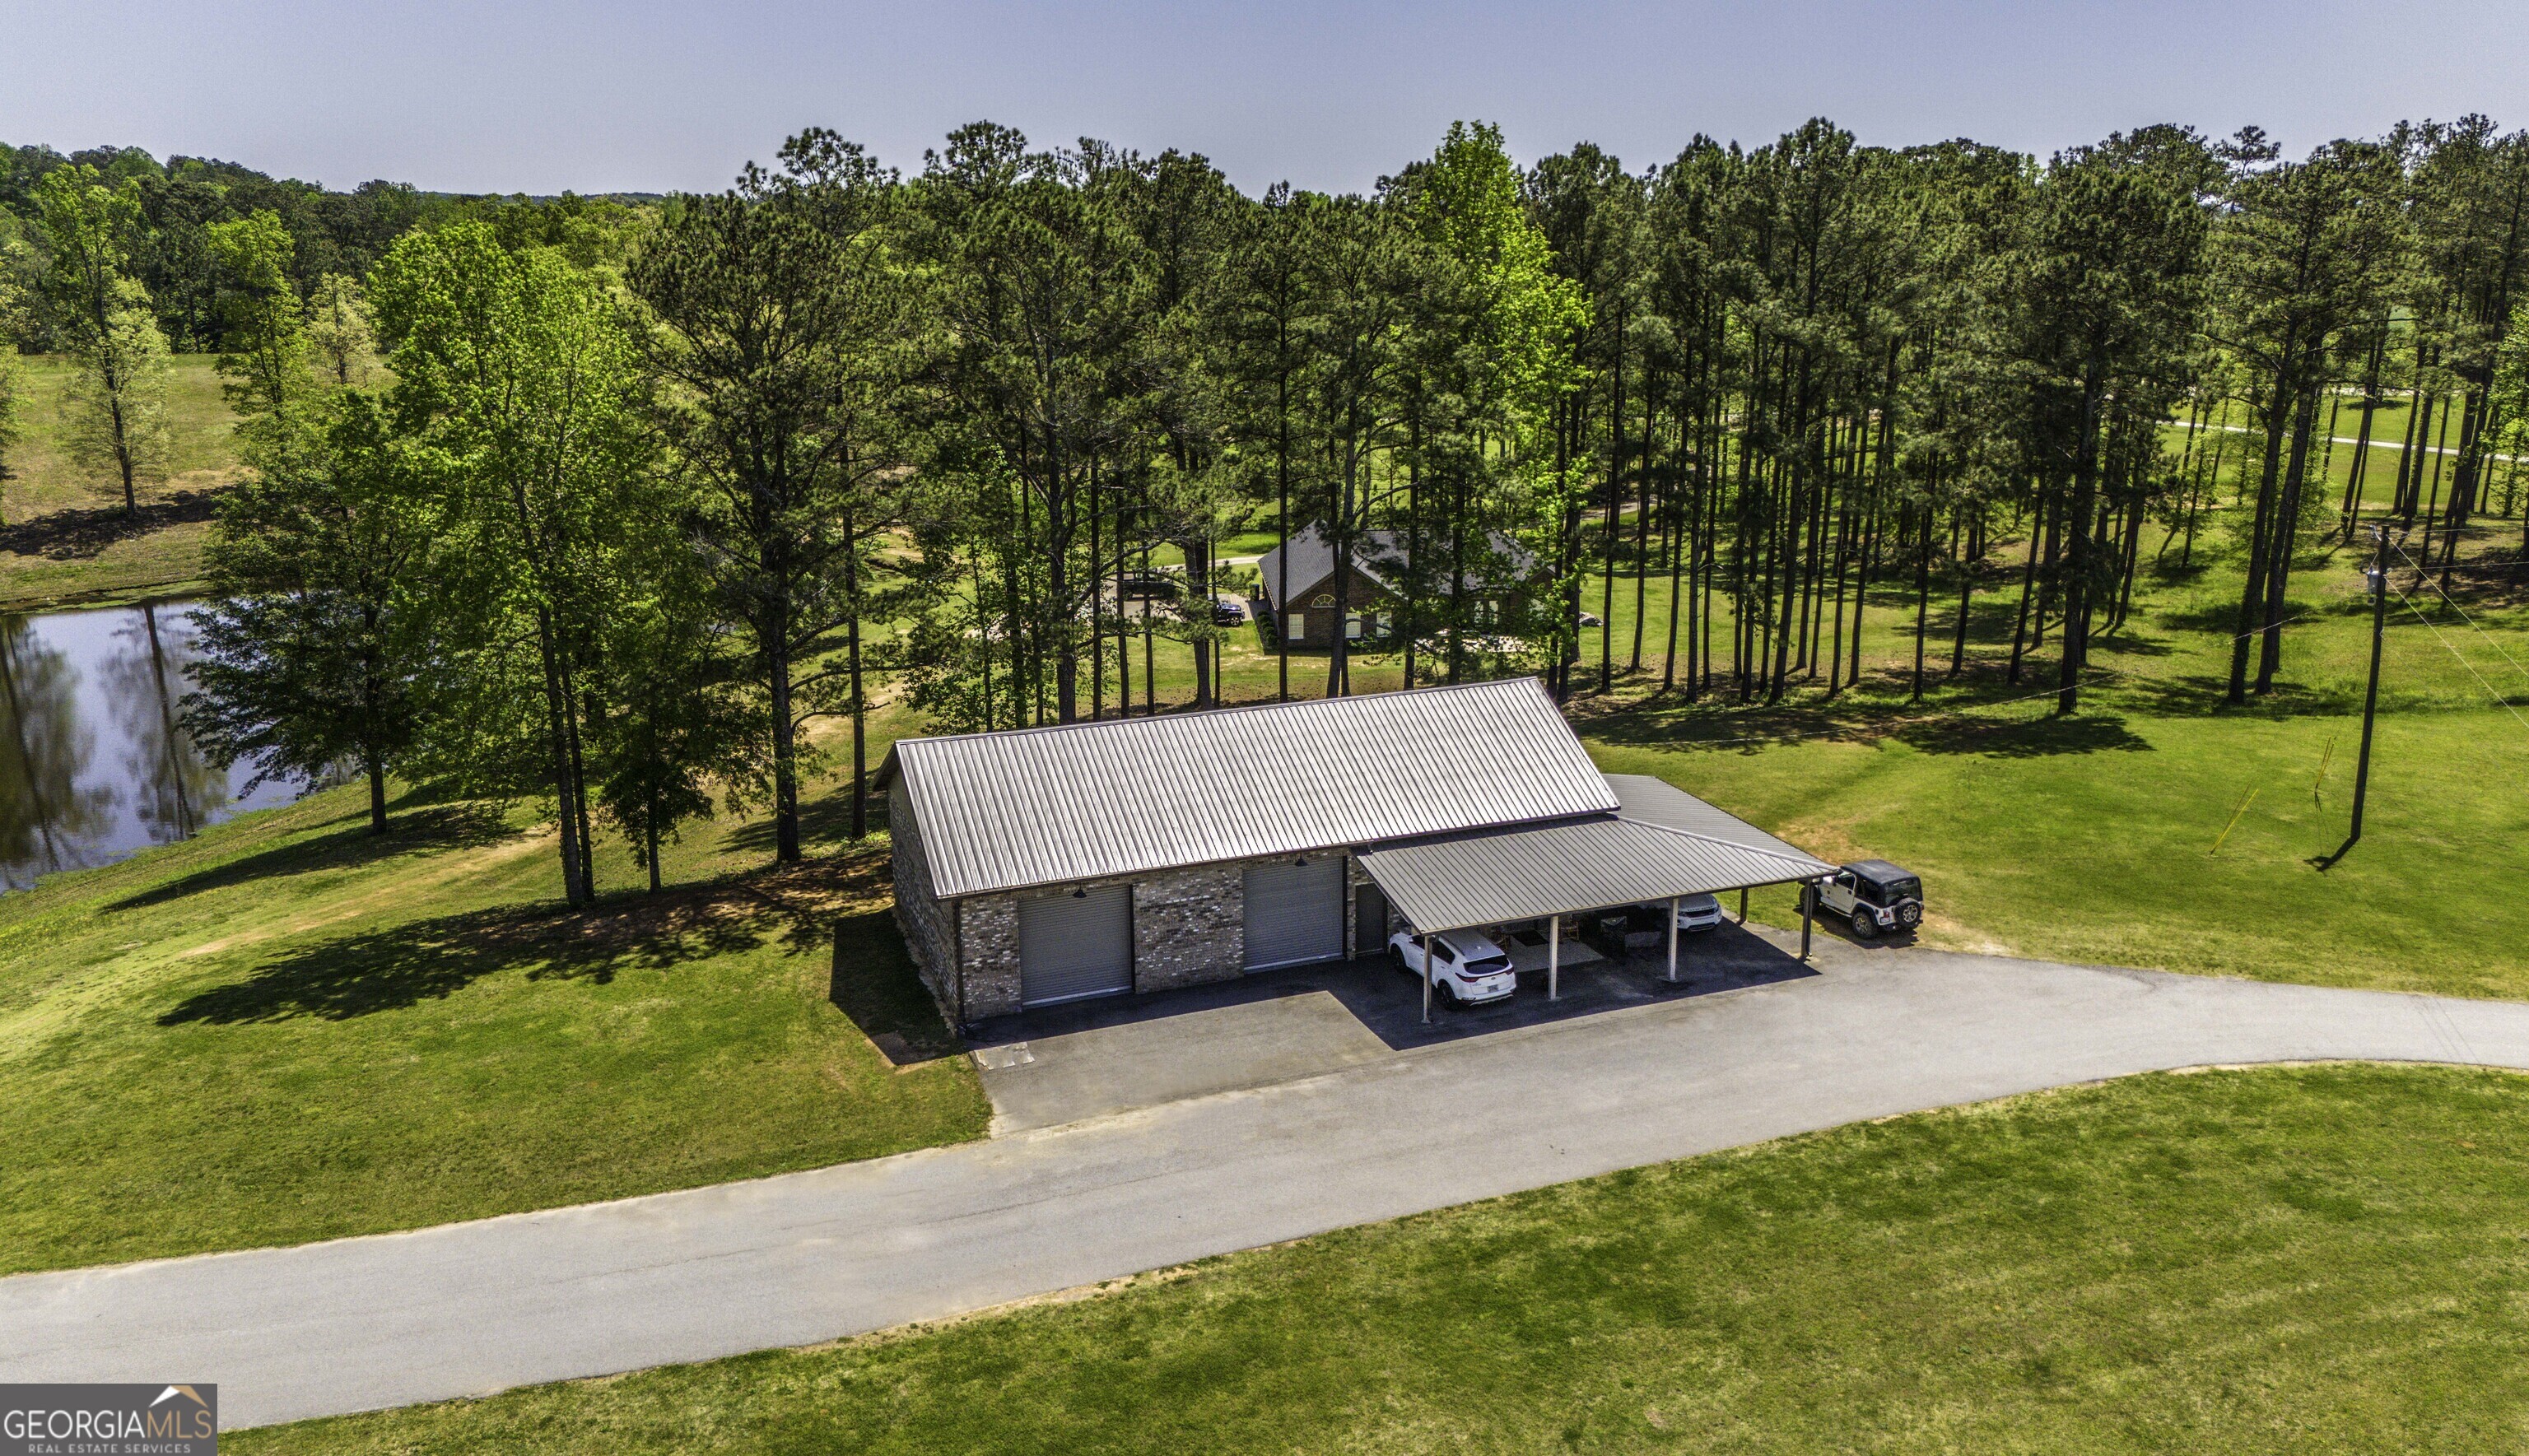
(538, 95)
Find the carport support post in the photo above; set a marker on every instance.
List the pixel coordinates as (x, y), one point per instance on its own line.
(1672, 937)
(1426, 978)
(1553, 956)
(1805, 925)
(1743, 907)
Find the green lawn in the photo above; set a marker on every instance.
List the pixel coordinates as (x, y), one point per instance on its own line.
(285, 1030)
(2093, 838)
(102, 560)
(2325, 1258)
(2333, 453)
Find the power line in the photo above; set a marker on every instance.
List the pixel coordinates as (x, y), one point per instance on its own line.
(2425, 576)
(2462, 659)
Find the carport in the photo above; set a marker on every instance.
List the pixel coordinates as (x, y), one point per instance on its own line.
(1484, 878)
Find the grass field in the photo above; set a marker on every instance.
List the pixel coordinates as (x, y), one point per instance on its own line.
(2333, 450)
(342, 1037)
(285, 1030)
(282, 1032)
(2277, 1261)
(2095, 837)
(62, 539)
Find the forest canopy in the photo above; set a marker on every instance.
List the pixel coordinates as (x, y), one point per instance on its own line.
(607, 500)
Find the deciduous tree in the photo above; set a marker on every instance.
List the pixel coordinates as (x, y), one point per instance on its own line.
(516, 376)
(115, 409)
(313, 643)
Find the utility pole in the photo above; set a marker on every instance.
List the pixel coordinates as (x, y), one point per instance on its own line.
(2379, 578)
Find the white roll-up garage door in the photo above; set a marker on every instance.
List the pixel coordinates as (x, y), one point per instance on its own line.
(1295, 912)
(1075, 945)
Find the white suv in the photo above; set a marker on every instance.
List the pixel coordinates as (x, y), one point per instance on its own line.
(1871, 895)
(1697, 912)
(1465, 967)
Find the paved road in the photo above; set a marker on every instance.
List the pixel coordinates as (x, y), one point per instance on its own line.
(2377, 442)
(366, 1322)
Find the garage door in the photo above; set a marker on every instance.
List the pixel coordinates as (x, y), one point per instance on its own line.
(1295, 912)
(1076, 944)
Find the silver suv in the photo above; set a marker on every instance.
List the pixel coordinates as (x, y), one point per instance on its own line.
(1871, 895)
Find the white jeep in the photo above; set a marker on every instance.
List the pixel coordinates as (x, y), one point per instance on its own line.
(1871, 895)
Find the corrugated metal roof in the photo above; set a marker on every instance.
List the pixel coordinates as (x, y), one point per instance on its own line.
(1658, 801)
(1562, 869)
(1041, 806)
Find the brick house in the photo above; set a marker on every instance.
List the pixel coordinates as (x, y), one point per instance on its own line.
(1306, 615)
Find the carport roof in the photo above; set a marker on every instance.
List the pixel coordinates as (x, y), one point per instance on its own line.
(1562, 869)
(1658, 801)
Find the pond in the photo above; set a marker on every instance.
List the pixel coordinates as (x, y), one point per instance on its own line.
(94, 764)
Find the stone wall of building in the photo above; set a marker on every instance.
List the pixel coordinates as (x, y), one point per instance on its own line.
(928, 930)
(1359, 938)
(987, 937)
(1189, 927)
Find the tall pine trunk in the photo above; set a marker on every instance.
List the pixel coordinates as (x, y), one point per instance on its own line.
(558, 709)
(852, 656)
(2270, 646)
(2254, 589)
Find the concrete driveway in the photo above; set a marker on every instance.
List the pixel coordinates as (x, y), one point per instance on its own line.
(469, 1308)
(1093, 1058)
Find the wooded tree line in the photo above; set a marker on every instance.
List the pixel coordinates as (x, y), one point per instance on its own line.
(180, 200)
(623, 510)
(165, 237)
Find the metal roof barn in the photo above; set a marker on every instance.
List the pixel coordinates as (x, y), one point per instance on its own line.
(1084, 801)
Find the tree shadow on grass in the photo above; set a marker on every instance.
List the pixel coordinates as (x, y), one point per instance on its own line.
(401, 966)
(1744, 730)
(464, 825)
(1953, 725)
(873, 979)
(2176, 573)
(2024, 738)
(2203, 695)
(83, 533)
(2221, 620)
(825, 817)
(875, 984)
(2125, 642)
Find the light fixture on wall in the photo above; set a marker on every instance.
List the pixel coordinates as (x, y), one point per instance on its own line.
(1080, 895)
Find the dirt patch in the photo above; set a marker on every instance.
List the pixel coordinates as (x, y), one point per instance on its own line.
(1828, 839)
(1942, 931)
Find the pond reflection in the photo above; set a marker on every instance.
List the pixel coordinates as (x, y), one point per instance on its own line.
(95, 763)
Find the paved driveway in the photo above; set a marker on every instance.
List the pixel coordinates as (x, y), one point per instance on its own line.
(365, 1323)
(1093, 1058)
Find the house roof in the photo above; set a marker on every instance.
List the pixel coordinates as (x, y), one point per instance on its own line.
(1562, 869)
(1045, 806)
(1313, 560)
